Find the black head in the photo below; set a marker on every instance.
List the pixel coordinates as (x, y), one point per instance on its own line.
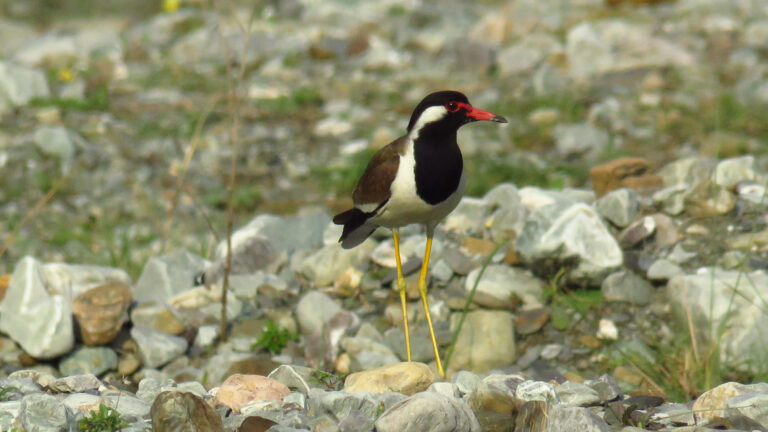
(449, 110)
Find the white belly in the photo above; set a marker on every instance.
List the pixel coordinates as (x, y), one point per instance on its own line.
(405, 207)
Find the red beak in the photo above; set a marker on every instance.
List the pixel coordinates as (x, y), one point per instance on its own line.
(480, 115)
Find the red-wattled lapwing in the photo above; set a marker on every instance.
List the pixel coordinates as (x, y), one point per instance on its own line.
(416, 179)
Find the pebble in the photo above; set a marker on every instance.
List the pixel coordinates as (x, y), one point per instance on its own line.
(239, 390)
(406, 377)
(428, 412)
(486, 341)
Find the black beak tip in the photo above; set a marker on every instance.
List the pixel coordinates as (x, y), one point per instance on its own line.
(499, 119)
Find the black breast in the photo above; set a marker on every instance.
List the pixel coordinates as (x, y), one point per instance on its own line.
(438, 165)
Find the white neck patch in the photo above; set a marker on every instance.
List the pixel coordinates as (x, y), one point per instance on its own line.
(429, 115)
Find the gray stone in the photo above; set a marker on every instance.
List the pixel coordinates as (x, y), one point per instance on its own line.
(131, 408)
(466, 382)
(619, 206)
(486, 341)
(468, 216)
(688, 172)
(562, 418)
(570, 236)
(314, 310)
(324, 266)
(577, 394)
(606, 387)
(294, 377)
(76, 384)
(338, 405)
(54, 141)
(663, 270)
(428, 412)
(536, 391)
(368, 354)
(731, 171)
(673, 414)
(500, 284)
(421, 344)
(509, 215)
(637, 232)
(284, 233)
(37, 320)
(89, 360)
(728, 300)
(626, 286)
(440, 271)
(672, 198)
(253, 253)
(168, 275)
(458, 261)
(75, 280)
(579, 140)
(44, 413)
(206, 336)
(157, 348)
(445, 388)
(751, 406)
(182, 411)
(21, 84)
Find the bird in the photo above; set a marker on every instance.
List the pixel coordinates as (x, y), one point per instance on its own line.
(416, 179)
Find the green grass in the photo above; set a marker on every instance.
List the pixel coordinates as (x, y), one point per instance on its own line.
(302, 98)
(274, 339)
(96, 99)
(106, 419)
(341, 180)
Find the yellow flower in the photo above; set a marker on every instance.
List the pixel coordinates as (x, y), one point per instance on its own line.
(171, 5)
(65, 75)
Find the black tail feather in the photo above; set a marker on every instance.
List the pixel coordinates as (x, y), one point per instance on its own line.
(356, 227)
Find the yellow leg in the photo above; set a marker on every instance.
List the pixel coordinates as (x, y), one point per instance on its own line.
(425, 302)
(401, 289)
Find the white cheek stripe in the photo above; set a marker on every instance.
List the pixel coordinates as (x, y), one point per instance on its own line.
(429, 115)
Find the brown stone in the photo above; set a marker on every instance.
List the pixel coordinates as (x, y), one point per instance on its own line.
(406, 377)
(531, 321)
(532, 417)
(633, 173)
(479, 246)
(101, 311)
(240, 390)
(5, 280)
(174, 411)
(590, 341)
(709, 199)
(256, 424)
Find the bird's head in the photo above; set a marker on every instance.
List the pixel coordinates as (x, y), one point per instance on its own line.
(447, 110)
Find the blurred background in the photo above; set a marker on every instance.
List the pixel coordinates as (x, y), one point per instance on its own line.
(115, 119)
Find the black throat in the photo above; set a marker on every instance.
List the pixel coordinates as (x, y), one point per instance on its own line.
(439, 164)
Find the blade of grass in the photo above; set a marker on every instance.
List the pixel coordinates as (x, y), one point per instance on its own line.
(457, 332)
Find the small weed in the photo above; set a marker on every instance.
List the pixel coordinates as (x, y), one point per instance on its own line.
(327, 380)
(105, 419)
(341, 179)
(4, 393)
(274, 339)
(96, 99)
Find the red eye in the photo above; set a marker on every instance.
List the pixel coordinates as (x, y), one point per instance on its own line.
(452, 107)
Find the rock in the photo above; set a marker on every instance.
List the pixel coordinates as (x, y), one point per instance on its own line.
(284, 233)
(748, 411)
(149, 388)
(531, 320)
(339, 406)
(314, 310)
(368, 353)
(626, 286)
(20, 84)
(180, 411)
(157, 317)
(579, 140)
(562, 418)
(536, 391)
(324, 266)
(252, 253)
(619, 206)
(44, 413)
(101, 311)
(633, 173)
(89, 360)
(239, 390)
(55, 141)
(570, 236)
(294, 377)
(445, 388)
(712, 403)
(663, 270)
(468, 216)
(457, 261)
(509, 215)
(496, 393)
(731, 171)
(41, 322)
(466, 382)
(501, 285)
(76, 384)
(689, 172)
(166, 276)
(606, 387)
(406, 377)
(157, 348)
(486, 341)
(709, 199)
(428, 412)
(577, 394)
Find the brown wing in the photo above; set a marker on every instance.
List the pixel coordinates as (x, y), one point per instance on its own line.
(374, 185)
